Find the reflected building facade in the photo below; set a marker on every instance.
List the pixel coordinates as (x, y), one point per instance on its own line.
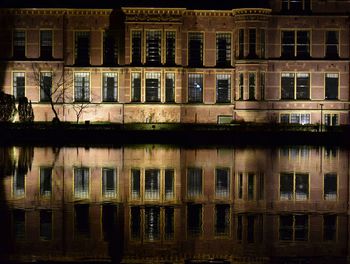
(171, 205)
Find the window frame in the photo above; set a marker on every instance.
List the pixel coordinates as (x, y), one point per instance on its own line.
(13, 84)
(294, 197)
(116, 182)
(160, 47)
(202, 51)
(83, 100)
(223, 76)
(141, 48)
(41, 86)
(166, 31)
(195, 100)
(116, 86)
(333, 174)
(13, 42)
(227, 35)
(52, 43)
(295, 45)
(75, 45)
(132, 88)
(325, 85)
(295, 88)
(75, 197)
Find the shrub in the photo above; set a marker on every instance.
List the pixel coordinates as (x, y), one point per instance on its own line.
(7, 107)
(25, 110)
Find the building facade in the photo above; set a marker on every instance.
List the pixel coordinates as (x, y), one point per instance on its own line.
(284, 62)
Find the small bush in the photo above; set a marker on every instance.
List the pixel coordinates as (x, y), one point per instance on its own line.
(7, 107)
(25, 110)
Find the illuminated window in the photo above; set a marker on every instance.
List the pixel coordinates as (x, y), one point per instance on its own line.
(19, 44)
(329, 227)
(252, 43)
(19, 224)
(194, 182)
(293, 227)
(81, 86)
(223, 88)
(170, 87)
(169, 184)
(295, 86)
(331, 86)
(170, 43)
(19, 85)
(194, 219)
(136, 47)
(110, 51)
(195, 88)
(135, 184)
(241, 86)
(296, 5)
(45, 224)
(222, 220)
(152, 184)
(302, 119)
(136, 87)
(135, 223)
(241, 43)
(169, 223)
(331, 119)
(332, 44)
(153, 87)
(81, 221)
(295, 44)
(251, 85)
(223, 49)
(153, 47)
(81, 183)
(294, 186)
(45, 86)
(45, 182)
(110, 87)
(195, 49)
(330, 187)
(109, 183)
(18, 184)
(152, 223)
(46, 44)
(82, 48)
(222, 183)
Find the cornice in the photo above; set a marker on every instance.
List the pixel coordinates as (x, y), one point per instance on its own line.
(54, 11)
(251, 11)
(153, 14)
(220, 13)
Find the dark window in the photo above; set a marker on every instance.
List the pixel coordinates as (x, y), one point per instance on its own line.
(252, 83)
(296, 5)
(194, 182)
(222, 219)
(136, 47)
(152, 184)
(136, 87)
(287, 83)
(241, 43)
(303, 44)
(223, 88)
(170, 87)
(303, 86)
(152, 223)
(81, 183)
(18, 85)
(110, 87)
(109, 221)
(284, 118)
(82, 220)
(46, 182)
(251, 186)
(45, 86)
(109, 183)
(329, 227)
(239, 227)
(223, 49)
(300, 91)
(170, 47)
(46, 44)
(250, 228)
(82, 87)
(240, 186)
(252, 43)
(332, 44)
(301, 225)
(45, 224)
(331, 119)
(262, 85)
(110, 51)
(82, 48)
(19, 224)
(332, 82)
(153, 47)
(169, 184)
(262, 43)
(195, 88)
(241, 86)
(135, 184)
(222, 183)
(288, 44)
(19, 184)
(19, 44)
(295, 44)
(330, 187)
(195, 49)
(152, 87)
(135, 223)
(169, 223)
(286, 227)
(194, 219)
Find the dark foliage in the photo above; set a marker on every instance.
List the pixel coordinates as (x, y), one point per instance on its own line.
(25, 110)
(7, 107)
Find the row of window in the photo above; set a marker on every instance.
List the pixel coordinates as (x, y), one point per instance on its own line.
(305, 119)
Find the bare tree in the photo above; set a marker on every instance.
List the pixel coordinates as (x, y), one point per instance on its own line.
(79, 108)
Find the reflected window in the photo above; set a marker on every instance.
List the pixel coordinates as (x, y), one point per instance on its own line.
(330, 187)
(240, 186)
(262, 43)
(135, 223)
(194, 219)
(46, 44)
(261, 193)
(109, 221)
(195, 88)
(152, 223)
(301, 186)
(19, 44)
(81, 220)
(135, 184)
(152, 186)
(19, 224)
(45, 182)
(82, 48)
(239, 227)
(251, 186)
(286, 227)
(136, 87)
(109, 183)
(222, 220)
(330, 152)
(170, 47)
(222, 183)
(223, 49)
(110, 87)
(293, 227)
(46, 86)
(136, 47)
(169, 226)
(19, 184)
(250, 228)
(195, 49)
(329, 227)
(286, 186)
(19, 82)
(153, 47)
(169, 184)
(223, 88)
(45, 224)
(194, 182)
(294, 186)
(81, 183)
(170, 87)
(153, 87)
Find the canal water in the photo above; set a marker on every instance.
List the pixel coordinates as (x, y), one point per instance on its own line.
(167, 204)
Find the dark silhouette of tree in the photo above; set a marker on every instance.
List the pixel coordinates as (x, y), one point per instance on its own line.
(7, 107)
(25, 110)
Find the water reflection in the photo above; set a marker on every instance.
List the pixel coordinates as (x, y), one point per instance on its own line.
(159, 204)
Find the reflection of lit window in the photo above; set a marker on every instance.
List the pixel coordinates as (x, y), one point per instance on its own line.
(45, 224)
(152, 184)
(81, 183)
(329, 227)
(109, 183)
(135, 184)
(45, 182)
(19, 224)
(82, 220)
(169, 223)
(169, 184)
(293, 227)
(294, 186)
(194, 182)
(222, 219)
(152, 223)
(222, 183)
(109, 220)
(194, 219)
(330, 186)
(19, 184)
(135, 223)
